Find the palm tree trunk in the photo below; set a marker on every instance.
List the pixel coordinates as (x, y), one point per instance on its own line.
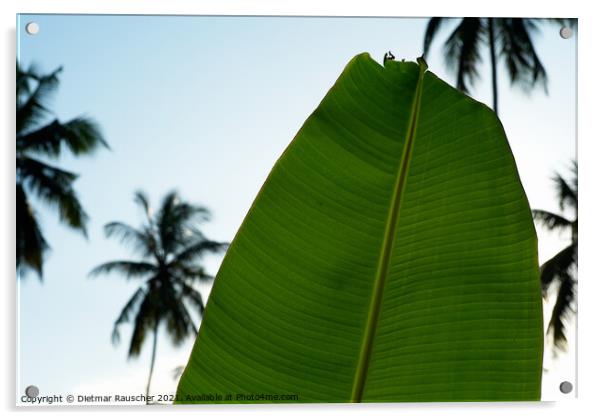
(152, 366)
(493, 61)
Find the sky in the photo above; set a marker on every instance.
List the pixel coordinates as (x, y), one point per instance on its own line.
(205, 105)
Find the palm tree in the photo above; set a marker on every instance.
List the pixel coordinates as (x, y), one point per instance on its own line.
(170, 245)
(561, 269)
(39, 138)
(510, 39)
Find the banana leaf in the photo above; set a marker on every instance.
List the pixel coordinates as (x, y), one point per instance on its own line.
(389, 256)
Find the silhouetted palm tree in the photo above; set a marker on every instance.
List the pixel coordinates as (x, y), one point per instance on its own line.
(171, 246)
(39, 139)
(510, 39)
(561, 269)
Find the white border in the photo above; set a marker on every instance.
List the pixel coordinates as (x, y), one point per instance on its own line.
(589, 166)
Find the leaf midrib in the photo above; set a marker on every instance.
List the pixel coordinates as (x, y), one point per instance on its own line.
(387, 246)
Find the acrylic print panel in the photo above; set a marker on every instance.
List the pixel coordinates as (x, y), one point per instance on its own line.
(293, 209)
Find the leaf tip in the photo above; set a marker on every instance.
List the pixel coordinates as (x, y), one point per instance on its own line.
(422, 63)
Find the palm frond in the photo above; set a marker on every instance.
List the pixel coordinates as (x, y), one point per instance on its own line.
(198, 250)
(146, 317)
(194, 297)
(24, 81)
(551, 220)
(178, 321)
(558, 266)
(563, 308)
(127, 268)
(567, 196)
(518, 52)
(176, 221)
(432, 28)
(79, 135)
(142, 241)
(54, 186)
(562, 267)
(142, 200)
(462, 54)
(177, 372)
(126, 313)
(31, 105)
(31, 244)
(51, 184)
(189, 271)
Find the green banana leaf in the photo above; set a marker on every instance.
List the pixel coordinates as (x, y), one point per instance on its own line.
(389, 256)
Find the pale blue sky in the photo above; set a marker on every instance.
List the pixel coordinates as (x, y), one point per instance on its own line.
(206, 105)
